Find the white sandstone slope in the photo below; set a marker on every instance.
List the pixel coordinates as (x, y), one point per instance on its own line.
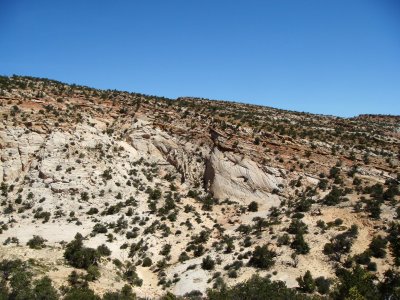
(60, 167)
(240, 179)
(17, 147)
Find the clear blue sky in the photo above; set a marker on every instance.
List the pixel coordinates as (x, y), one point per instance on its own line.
(339, 57)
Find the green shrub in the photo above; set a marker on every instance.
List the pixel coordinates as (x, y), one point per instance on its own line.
(306, 283)
(283, 239)
(92, 211)
(300, 245)
(131, 276)
(341, 243)
(297, 227)
(334, 197)
(147, 262)
(36, 242)
(43, 289)
(79, 256)
(262, 257)
(93, 273)
(81, 294)
(323, 285)
(356, 282)
(103, 250)
(126, 293)
(183, 256)
(99, 228)
(253, 206)
(303, 205)
(208, 263)
(256, 288)
(372, 266)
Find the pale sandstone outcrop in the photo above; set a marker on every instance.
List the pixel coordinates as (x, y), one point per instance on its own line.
(240, 179)
(17, 147)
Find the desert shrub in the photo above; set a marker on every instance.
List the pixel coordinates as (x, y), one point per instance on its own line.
(303, 205)
(323, 184)
(236, 265)
(377, 247)
(355, 284)
(131, 276)
(93, 273)
(323, 285)
(232, 273)
(283, 239)
(299, 244)
(389, 285)
(208, 203)
(183, 256)
(147, 262)
(8, 209)
(334, 172)
(372, 266)
(112, 209)
(392, 190)
(199, 250)
(103, 250)
(341, 243)
(374, 208)
(77, 280)
(107, 174)
(229, 244)
(117, 263)
(306, 282)
(247, 241)
(298, 215)
(208, 263)
(394, 240)
(363, 258)
(131, 235)
(166, 249)
(36, 242)
(262, 257)
(79, 256)
(256, 288)
(154, 194)
(99, 228)
(43, 289)
(253, 206)
(84, 196)
(338, 222)
(297, 227)
(45, 215)
(334, 197)
(92, 211)
(126, 293)
(260, 223)
(321, 224)
(245, 229)
(81, 294)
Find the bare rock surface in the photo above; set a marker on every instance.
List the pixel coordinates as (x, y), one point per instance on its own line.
(241, 179)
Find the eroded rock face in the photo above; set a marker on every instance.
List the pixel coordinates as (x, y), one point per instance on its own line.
(17, 147)
(240, 179)
(184, 156)
(226, 174)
